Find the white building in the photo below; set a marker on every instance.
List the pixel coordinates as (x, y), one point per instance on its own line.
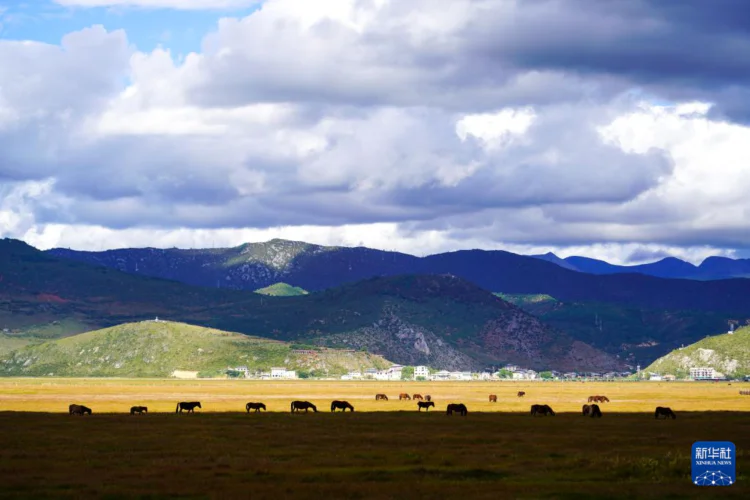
(421, 371)
(441, 375)
(282, 373)
(702, 373)
(655, 378)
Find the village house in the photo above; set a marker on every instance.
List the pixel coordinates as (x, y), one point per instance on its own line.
(441, 375)
(703, 374)
(421, 371)
(282, 373)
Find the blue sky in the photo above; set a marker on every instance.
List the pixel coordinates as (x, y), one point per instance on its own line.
(46, 21)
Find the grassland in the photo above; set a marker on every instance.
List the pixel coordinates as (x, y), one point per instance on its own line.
(281, 290)
(383, 450)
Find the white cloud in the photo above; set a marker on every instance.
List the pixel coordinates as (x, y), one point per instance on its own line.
(376, 122)
(162, 4)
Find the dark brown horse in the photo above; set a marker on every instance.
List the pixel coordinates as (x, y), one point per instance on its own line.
(428, 398)
(493, 398)
(187, 406)
(592, 411)
(140, 410)
(255, 406)
(662, 411)
(521, 394)
(459, 408)
(303, 405)
(403, 395)
(378, 397)
(79, 410)
(417, 397)
(425, 404)
(541, 410)
(341, 405)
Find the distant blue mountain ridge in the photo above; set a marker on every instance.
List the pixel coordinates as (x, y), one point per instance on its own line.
(712, 268)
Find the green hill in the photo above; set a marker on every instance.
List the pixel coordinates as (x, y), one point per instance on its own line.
(728, 354)
(158, 348)
(281, 290)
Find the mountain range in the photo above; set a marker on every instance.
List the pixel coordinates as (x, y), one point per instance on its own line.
(312, 267)
(712, 268)
(439, 320)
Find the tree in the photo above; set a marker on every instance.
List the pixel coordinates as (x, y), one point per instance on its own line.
(407, 373)
(505, 373)
(546, 375)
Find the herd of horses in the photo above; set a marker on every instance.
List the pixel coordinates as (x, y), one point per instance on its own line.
(423, 402)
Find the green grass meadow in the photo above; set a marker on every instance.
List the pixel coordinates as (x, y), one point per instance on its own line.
(382, 450)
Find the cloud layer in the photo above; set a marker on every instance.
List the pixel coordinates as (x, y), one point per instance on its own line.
(426, 125)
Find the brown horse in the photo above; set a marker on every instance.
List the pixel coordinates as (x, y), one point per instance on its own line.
(417, 397)
(425, 404)
(459, 408)
(189, 407)
(403, 395)
(78, 410)
(665, 412)
(378, 397)
(521, 394)
(493, 398)
(428, 398)
(254, 406)
(599, 399)
(541, 410)
(341, 405)
(140, 410)
(303, 405)
(592, 411)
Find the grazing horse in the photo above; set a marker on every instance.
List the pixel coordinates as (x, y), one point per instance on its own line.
(596, 412)
(428, 398)
(665, 412)
(426, 405)
(189, 407)
(378, 397)
(403, 395)
(254, 406)
(140, 410)
(417, 397)
(78, 410)
(541, 410)
(459, 408)
(303, 405)
(493, 398)
(341, 405)
(521, 394)
(599, 399)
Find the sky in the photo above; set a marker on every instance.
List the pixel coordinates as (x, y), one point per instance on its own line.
(618, 130)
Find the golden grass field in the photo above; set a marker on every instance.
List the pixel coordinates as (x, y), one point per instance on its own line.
(383, 450)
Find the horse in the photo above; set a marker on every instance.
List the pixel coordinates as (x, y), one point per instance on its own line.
(78, 410)
(665, 412)
(254, 406)
(596, 412)
(189, 407)
(493, 398)
(426, 405)
(341, 405)
(603, 399)
(458, 408)
(403, 395)
(541, 410)
(303, 405)
(428, 398)
(521, 394)
(140, 410)
(417, 397)
(378, 397)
